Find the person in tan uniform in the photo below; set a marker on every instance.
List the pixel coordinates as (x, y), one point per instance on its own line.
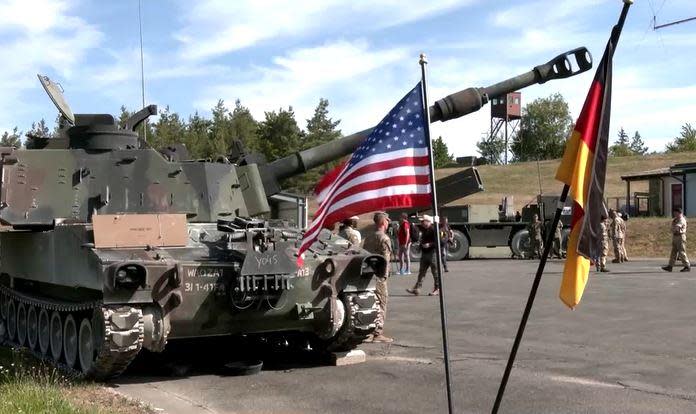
(678, 242)
(350, 231)
(536, 240)
(617, 229)
(379, 243)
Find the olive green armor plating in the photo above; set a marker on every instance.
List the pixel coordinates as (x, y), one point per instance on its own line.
(91, 307)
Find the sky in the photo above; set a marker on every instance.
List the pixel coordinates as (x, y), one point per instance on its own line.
(360, 55)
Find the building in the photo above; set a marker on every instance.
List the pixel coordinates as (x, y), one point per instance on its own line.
(668, 188)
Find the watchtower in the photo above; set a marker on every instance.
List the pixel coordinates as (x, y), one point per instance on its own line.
(506, 113)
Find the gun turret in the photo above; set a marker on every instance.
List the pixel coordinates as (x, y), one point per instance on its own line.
(453, 106)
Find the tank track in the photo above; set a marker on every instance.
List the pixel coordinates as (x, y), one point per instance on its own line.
(362, 309)
(120, 341)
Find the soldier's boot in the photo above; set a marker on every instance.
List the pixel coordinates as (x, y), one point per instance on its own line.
(667, 268)
(414, 291)
(604, 270)
(616, 261)
(686, 269)
(382, 338)
(435, 292)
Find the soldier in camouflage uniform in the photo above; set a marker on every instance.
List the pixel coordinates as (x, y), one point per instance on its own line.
(536, 241)
(602, 261)
(678, 242)
(558, 240)
(379, 243)
(350, 231)
(618, 234)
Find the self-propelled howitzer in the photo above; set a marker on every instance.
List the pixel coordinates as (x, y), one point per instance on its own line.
(108, 246)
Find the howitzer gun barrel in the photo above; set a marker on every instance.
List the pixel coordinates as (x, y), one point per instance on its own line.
(453, 106)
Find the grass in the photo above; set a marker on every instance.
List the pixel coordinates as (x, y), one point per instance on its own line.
(30, 386)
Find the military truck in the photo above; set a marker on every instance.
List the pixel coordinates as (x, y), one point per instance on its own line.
(110, 246)
(487, 225)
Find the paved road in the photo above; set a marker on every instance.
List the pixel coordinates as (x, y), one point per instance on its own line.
(630, 347)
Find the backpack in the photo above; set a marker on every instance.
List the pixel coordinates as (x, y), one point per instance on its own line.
(414, 233)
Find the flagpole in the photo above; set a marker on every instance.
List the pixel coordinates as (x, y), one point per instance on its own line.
(616, 30)
(530, 299)
(438, 245)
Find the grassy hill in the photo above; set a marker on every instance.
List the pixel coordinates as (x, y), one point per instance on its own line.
(522, 180)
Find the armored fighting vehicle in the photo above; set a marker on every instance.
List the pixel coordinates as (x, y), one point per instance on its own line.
(108, 246)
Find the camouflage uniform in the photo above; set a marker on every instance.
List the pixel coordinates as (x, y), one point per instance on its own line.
(605, 246)
(536, 242)
(679, 242)
(618, 234)
(379, 243)
(558, 240)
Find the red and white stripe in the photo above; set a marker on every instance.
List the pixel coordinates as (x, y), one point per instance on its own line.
(396, 179)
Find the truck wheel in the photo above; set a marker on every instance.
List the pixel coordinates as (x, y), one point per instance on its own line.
(415, 252)
(564, 239)
(520, 243)
(459, 248)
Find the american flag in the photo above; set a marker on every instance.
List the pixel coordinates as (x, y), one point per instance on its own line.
(390, 169)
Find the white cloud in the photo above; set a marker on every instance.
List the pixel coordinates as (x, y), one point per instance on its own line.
(216, 27)
(38, 36)
(300, 77)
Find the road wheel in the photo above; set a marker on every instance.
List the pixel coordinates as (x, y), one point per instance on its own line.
(56, 335)
(564, 239)
(32, 327)
(458, 249)
(415, 252)
(520, 244)
(21, 324)
(70, 341)
(11, 320)
(44, 332)
(86, 345)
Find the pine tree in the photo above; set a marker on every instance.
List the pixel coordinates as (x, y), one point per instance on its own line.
(491, 148)
(621, 146)
(38, 130)
(243, 127)
(168, 130)
(685, 142)
(441, 155)
(196, 136)
(279, 136)
(637, 145)
(11, 139)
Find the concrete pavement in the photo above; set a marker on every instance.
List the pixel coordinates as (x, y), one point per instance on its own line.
(628, 348)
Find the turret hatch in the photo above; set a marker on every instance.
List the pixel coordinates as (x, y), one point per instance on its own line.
(55, 92)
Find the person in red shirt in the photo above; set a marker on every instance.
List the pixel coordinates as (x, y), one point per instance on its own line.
(404, 239)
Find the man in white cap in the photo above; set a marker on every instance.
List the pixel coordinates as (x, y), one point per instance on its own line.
(350, 231)
(428, 257)
(379, 243)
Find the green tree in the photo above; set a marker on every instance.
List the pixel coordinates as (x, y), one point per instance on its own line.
(491, 148)
(621, 146)
(545, 125)
(168, 130)
(685, 142)
(243, 127)
(38, 130)
(441, 155)
(320, 130)
(11, 139)
(196, 136)
(220, 132)
(637, 145)
(279, 136)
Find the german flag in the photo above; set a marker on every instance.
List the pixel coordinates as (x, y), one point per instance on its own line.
(583, 168)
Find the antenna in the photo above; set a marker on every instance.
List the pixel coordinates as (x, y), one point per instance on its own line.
(142, 65)
(660, 26)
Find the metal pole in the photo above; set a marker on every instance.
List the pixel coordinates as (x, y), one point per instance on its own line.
(530, 300)
(438, 246)
(142, 66)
